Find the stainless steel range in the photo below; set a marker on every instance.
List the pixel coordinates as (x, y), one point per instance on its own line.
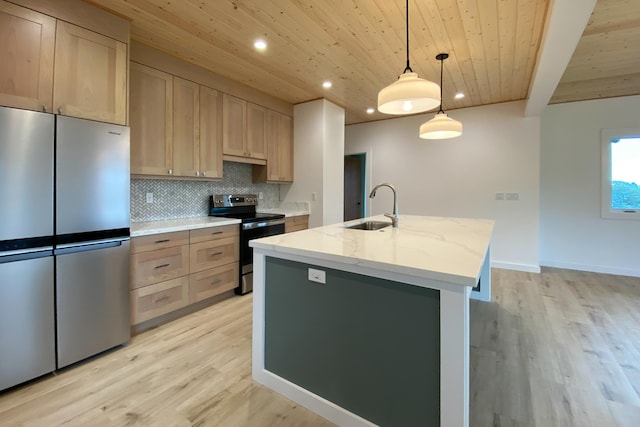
(254, 226)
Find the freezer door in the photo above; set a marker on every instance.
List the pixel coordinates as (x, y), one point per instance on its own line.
(92, 176)
(27, 324)
(26, 174)
(92, 299)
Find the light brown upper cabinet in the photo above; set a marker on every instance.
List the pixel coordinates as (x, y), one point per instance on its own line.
(54, 66)
(90, 78)
(197, 148)
(243, 130)
(151, 120)
(279, 138)
(186, 127)
(234, 122)
(210, 133)
(256, 131)
(27, 40)
(175, 126)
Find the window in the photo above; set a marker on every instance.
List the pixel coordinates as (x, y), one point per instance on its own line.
(621, 173)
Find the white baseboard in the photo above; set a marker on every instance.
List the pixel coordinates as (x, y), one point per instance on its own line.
(530, 268)
(593, 268)
(311, 401)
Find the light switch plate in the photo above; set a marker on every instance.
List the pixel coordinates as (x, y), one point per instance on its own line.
(318, 276)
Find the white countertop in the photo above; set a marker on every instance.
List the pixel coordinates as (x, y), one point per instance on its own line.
(289, 209)
(448, 249)
(286, 212)
(167, 226)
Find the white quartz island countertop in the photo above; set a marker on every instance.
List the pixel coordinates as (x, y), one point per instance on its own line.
(154, 227)
(445, 249)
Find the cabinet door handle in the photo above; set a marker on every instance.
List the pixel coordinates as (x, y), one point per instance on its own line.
(59, 110)
(170, 171)
(217, 232)
(197, 173)
(204, 173)
(161, 266)
(44, 108)
(162, 241)
(215, 254)
(215, 282)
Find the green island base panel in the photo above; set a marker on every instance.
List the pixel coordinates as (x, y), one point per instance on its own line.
(369, 345)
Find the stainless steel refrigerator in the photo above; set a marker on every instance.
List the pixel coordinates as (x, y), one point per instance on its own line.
(64, 241)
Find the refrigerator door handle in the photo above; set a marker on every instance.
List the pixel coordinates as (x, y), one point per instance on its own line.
(89, 246)
(13, 256)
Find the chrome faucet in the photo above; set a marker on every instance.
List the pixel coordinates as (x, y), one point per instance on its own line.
(394, 217)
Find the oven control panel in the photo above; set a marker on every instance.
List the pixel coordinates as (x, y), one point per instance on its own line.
(230, 200)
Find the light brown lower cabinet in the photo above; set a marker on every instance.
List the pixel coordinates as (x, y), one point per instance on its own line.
(159, 265)
(212, 282)
(161, 298)
(169, 271)
(296, 223)
(212, 254)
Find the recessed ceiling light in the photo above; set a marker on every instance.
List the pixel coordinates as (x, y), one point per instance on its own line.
(459, 95)
(326, 84)
(260, 44)
(370, 110)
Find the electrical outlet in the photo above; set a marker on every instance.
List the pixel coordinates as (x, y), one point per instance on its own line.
(314, 196)
(513, 196)
(149, 197)
(499, 196)
(318, 276)
(260, 195)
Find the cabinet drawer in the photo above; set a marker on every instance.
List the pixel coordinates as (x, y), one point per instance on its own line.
(159, 241)
(155, 300)
(159, 265)
(214, 253)
(214, 233)
(212, 282)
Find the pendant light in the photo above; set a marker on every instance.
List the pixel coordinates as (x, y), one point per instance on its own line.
(409, 94)
(441, 126)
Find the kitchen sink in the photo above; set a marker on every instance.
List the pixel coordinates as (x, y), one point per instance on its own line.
(370, 225)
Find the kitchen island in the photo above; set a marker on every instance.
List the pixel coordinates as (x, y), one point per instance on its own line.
(370, 327)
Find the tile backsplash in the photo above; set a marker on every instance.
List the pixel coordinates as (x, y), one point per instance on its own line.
(174, 199)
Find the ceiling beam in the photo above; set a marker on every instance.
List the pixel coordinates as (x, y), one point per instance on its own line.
(565, 24)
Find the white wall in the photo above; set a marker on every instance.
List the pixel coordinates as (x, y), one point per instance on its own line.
(573, 235)
(498, 152)
(318, 139)
(333, 186)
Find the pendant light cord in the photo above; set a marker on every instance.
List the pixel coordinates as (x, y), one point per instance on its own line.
(408, 68)
(441, 68)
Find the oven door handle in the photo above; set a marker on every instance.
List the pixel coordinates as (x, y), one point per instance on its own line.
(261, 224)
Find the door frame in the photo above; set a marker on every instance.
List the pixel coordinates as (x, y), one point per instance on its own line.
(365, 182)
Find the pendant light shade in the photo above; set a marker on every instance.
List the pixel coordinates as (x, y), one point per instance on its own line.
(409, 94)
(441, 126)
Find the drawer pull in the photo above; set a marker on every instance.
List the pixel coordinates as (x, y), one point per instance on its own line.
(162, 241)
(215, 282)
(215, 254)
(162, 299)
(217, 232)
(161, 266)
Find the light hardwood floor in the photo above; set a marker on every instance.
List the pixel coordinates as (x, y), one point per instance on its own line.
(561, 348)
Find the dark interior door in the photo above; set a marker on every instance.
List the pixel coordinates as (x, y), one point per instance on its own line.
(353, 187)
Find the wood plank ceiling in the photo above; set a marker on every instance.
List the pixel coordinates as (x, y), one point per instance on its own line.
(606, 62)
(360, 46)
